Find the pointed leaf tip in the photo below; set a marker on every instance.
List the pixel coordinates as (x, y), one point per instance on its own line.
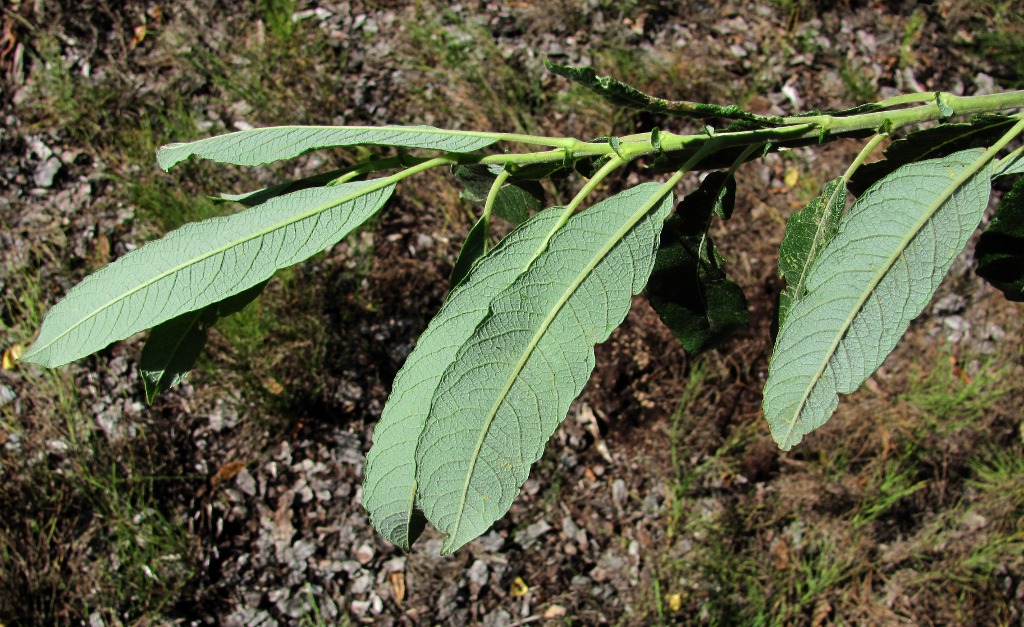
(200, 264)
(512, 381)
(389, 486)
(869, 282)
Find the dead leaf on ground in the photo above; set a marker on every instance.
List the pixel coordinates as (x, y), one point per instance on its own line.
(397, 580)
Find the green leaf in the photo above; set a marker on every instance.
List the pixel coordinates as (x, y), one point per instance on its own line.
(512, 382)
(622, 95)
(1000, 250)
(516, 200)
(931, 143)
(724, 187)
(200, 264)
(389, 487)
(172, 349)
(688, 288)
(807, 233)
(174, 346)
(260, 196)
(472, 249)
(879, 271)
(265, 145)
(1010, 167)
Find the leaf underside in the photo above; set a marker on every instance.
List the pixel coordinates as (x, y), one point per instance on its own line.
(200, 264)
(389, 487)
(931, 143)
(688, 287)
(1000, 250)
(877, 274)
(265, 145)
(513, 380)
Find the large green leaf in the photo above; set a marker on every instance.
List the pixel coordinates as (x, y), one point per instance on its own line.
(174, 346)
(688, 288)
(512, 382)
(877, 274)
(264, 145)
(807, 232)
(200, 264)
(1000, 250)
(389, 487)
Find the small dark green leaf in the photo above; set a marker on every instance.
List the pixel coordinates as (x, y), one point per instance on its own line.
(516, 200)
(943, 103)
(174, 346)
(722, 193)
(688, 288)
(859, 109)
(473, 248)
(623, 95)
(540, 171)
(1000, 250)
(172, 349)
(1010, 167)
(260, 196)
(931, 143)
(807, 232)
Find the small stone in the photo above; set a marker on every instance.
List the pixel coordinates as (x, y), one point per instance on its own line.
(304, 549)
(569, 527)
(492, 542)
(497, 618)
(245, 482)
(394, 565)
(984, 84)
(364, 554)
(478, 573)
(7, 395)
(361, 584)
(46, 172)
(13, 443)
(359, 608)
(949, 304)
(538, 529)
(619, 492)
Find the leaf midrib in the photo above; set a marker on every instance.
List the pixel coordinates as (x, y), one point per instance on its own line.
(946, 195)
(535, 341)
(368, 189)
